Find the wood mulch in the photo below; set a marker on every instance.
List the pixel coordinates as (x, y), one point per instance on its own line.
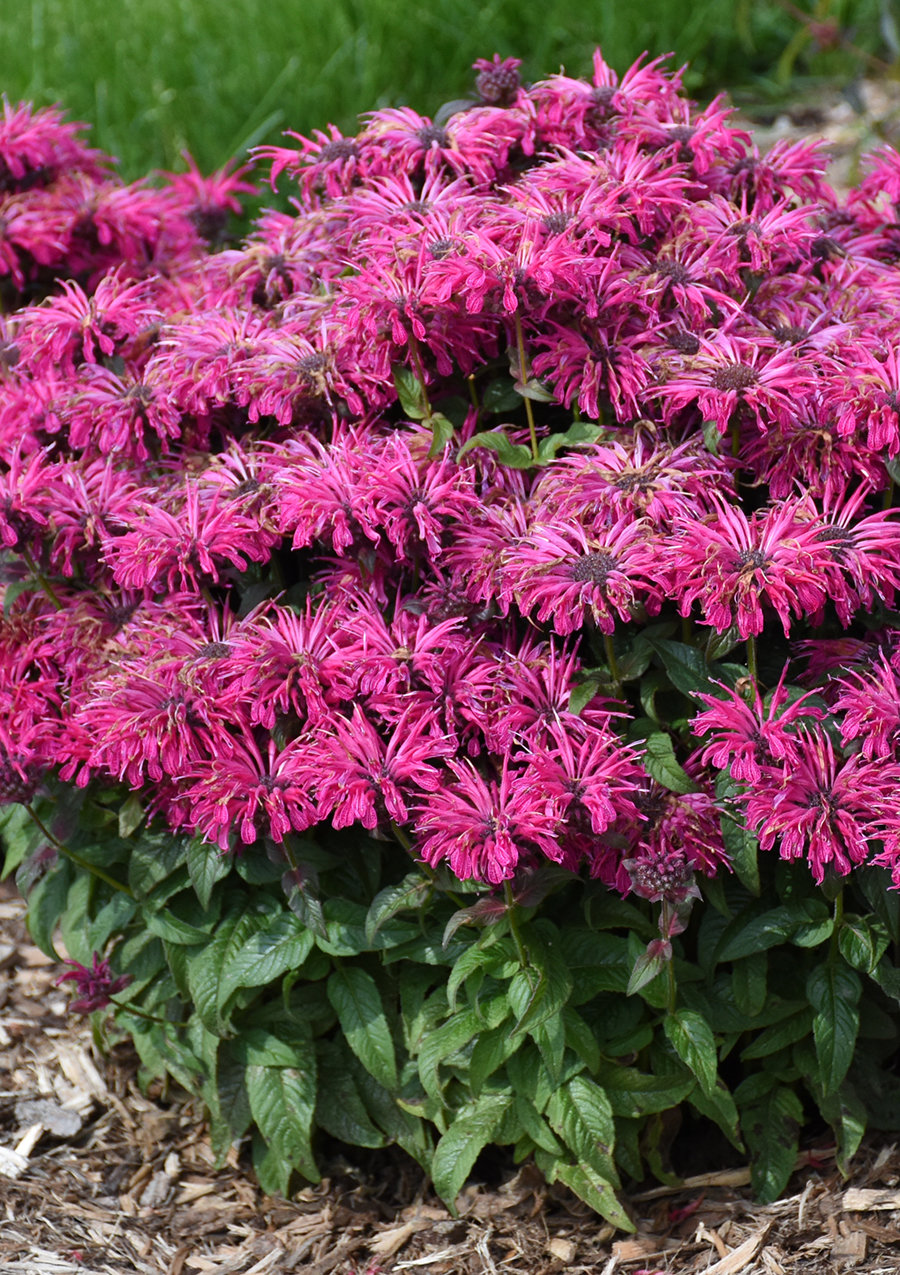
(98, 1178)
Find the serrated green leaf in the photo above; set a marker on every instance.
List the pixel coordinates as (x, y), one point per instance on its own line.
(582, 694)
(282, 1102)
(206, 865)
(442, 1043)
(477, 959)
(577, 435)
(260, 1048)
(131, 815)
(340, 1109)
(771, 1128)
(719, 1106)
(580, 1114)
(472, 1129)
(515, 455)
(46, 904)
(596, 1192)
(758, 927)
(407, 896)
(633, 1093)
(281, 945)
(691, 1037)
(355, 998)
(411, 393)
(500, 396)
(660, 764)
(748, 982)
(648, 966)
(846, 1113)
(743, 851)
(541, 990)
(685, 665)
(441, 433)
(863, 942)
(833, 991)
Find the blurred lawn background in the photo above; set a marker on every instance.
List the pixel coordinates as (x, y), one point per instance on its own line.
(157, 77)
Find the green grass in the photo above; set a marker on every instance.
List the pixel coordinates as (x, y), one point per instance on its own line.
(156, 77)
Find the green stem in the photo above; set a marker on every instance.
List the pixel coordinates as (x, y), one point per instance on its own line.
(42, 580)
(523, 377)
(76, 858)
(838, 922)
(751, 657)
(613, 664)
(150, 1018)
(514, 925)
(420, 374)
(671, 989)
(400, 835)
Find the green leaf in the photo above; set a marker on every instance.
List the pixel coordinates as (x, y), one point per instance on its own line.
(743, 849)
(46, 904)
(535, 390)
(846, 1113)
(580, 1114)
(541, 990)
(685, 665)
(515, 455)
(340, 1109)
(771, 1128)
(660, 764)
(720, 644)
(152, 859)
(411, 393)
(356, 1000)
(441, 433)
(690, 1036)
(472, 1129)
(863, 942)
(282, 944)
(787, 1032)
(206, 865)
(748, 982)
(19, 833)
(719, 1106)
(442, 1043)
(131, 816)
(407, 896)
(500, 396)
(582, 694)
(596, 1192)
(758, 927)
(633, 1093)
(651, 962)
(578, 434)
(282, 1101)
(492, 1049)
(475, 960)
(260, 1048)
(712, 437)
(833, 991)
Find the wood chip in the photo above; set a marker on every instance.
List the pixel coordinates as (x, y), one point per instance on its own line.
(562, 1250)
(868, 1200)
(389, 1242)
(741, 1257)
(29, 1140)
(61, 1121)
(850, 1247)
(12, 1165)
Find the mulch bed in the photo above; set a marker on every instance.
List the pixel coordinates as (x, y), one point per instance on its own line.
(98, 1177)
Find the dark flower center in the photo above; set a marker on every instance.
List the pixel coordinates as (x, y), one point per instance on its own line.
(340, 148)
(594, 568)
(673, 270)
(684, 342)
(555, 223)
(433, 135)
(734, 376)
(789, 333)
(755, 559)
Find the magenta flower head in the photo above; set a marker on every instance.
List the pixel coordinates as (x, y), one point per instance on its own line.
(95, 984)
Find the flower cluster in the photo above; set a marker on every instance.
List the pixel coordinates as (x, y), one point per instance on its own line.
(301, 531)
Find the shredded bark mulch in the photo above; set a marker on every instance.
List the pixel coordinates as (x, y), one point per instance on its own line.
(99, 1178)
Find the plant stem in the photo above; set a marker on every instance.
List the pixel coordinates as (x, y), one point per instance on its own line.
(514, 925)
(671, 989)
(751, 657)
(400, 835)
(150, 1018)
(523, 377)
(76, 858)
(420, 374)
(41, 578)
(613, 664)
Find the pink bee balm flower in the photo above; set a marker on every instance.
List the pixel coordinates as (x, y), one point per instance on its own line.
(735, 566)
(95, 984)
(483, 827)
(749, 736)
(823, 809)
(569, 573)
